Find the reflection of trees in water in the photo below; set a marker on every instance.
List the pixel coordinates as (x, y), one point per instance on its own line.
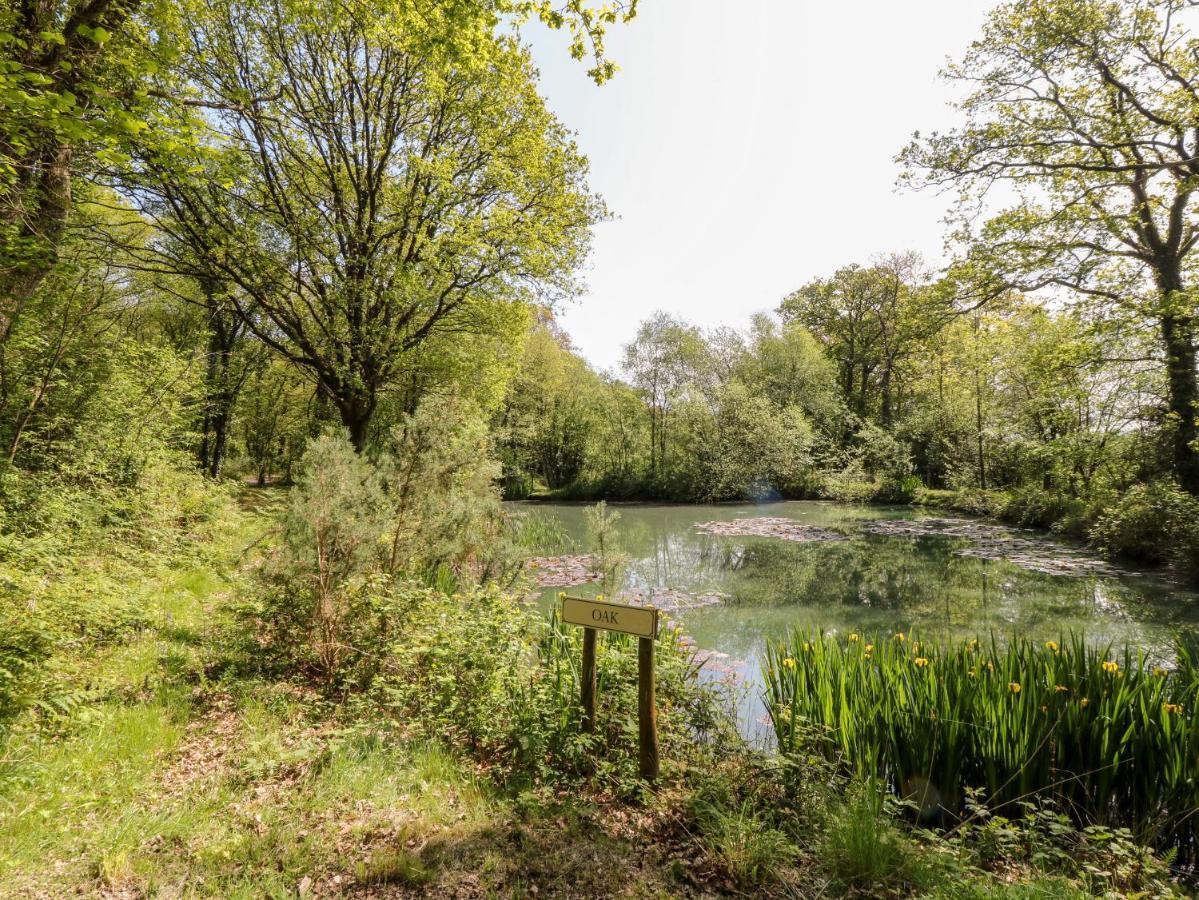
(874, 581)
(923, 582)
(669, 557)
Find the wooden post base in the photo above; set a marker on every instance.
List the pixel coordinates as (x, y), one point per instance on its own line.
(647, 710)
(588, 679)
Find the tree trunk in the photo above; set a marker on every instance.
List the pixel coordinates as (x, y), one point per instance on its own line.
(356, 413)
(885, 387)
(222, 385)
(653, 440)
(1179, 341)
(43, 226)
(978, 408)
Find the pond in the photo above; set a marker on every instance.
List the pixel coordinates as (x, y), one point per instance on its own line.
(848, 567)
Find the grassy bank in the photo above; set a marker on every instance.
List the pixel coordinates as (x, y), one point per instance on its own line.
(193, 764)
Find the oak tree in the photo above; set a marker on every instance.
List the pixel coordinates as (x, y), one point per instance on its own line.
(1087, 112)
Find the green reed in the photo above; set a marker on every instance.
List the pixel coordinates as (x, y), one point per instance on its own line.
(1111, 737)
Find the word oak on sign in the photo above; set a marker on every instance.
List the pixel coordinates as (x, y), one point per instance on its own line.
(642, 622)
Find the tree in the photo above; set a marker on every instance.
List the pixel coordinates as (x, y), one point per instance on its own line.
(271, 416)
(549, 412)
(68, 92)
(364, 194)
(666, 355)
(786, 364)
(1086, 110)
(73, 90)
(869, 321)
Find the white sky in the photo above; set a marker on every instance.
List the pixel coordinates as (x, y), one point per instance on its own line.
(747, 146)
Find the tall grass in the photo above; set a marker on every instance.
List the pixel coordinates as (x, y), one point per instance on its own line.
(1113, 739)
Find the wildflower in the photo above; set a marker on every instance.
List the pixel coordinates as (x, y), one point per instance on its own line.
(972, 645)
(853, 638)
(1051, 645)
(1014, 687)
(990, 666)
(1084, 703)
(1168, 708)
(1060, 688)
(1160, 672)
(920, 662)
(599, 596)
(869, 648)
(899, 636)
(1109, 666)
(788, 663)
(561, 595)
(972, 673)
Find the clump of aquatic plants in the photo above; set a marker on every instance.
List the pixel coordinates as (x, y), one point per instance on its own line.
(1110, 737)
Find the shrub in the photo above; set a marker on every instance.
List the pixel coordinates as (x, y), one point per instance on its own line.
(483, 671)
(1116, 741)
(1039, 834)
(978, 502)
(848, 486)
(604, 538)
(1156, 523)
(316, 611)
(440, 480)
(1036, 508)
(899, 490)
(25, 645)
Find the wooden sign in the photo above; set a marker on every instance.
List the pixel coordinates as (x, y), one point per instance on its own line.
(641, 621)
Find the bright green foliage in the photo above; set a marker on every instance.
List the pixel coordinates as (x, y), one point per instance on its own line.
(1113, 740)
(604, 544)
(429, 196)
(551, 414)
(316, 613)
(1085, 110)
(870, 321)
(516, 706)
(445, 519)
(705, 418)
(72, 97)
(1155, 523)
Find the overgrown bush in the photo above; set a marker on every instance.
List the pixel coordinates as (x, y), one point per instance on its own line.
(318, 610)
(440, 480)
(25, 645)
(899, 490)
(1038, 834)
(1156, 523)
(484, 672)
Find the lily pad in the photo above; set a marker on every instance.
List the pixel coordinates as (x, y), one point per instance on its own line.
(770, 526)
(998, 542)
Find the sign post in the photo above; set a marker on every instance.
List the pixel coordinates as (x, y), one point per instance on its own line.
(589, 679)
(642, 622)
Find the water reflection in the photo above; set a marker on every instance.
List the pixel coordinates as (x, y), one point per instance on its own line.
(868, 581)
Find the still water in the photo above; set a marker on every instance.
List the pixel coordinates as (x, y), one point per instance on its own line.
(864, 581)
